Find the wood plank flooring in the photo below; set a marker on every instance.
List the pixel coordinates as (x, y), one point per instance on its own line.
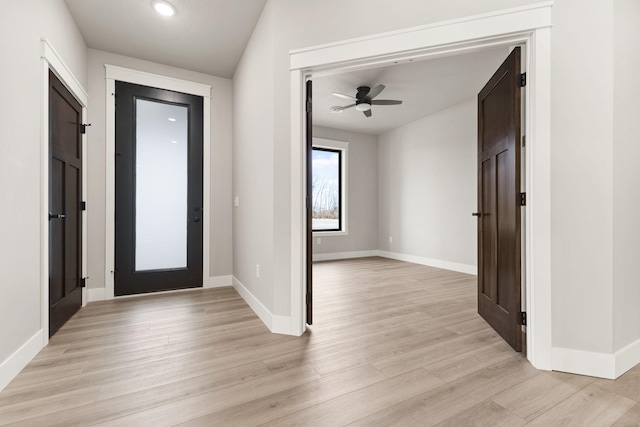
(393, 344)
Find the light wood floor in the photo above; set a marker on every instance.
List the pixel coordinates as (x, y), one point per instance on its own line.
(393, 344)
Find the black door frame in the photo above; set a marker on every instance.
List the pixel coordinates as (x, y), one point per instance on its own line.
(113, 74)
(130, 281)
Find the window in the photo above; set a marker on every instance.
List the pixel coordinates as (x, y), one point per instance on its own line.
(328, 198)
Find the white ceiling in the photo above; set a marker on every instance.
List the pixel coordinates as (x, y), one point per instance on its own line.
(425, 87)
(208, 36)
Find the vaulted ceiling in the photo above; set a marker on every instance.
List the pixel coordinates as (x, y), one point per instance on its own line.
(209, 36)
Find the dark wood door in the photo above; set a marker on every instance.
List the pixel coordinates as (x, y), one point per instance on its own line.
(499, 292)
(158, 201)
(309, 143)
(65, 197)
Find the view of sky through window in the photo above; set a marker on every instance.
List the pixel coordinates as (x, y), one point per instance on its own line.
(326, 189)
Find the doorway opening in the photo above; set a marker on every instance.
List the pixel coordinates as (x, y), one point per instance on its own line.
(528, 26)
(416, 171)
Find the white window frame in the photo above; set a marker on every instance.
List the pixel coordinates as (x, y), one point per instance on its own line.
(343, 146)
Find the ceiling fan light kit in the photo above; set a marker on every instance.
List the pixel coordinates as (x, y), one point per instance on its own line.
(364, 100)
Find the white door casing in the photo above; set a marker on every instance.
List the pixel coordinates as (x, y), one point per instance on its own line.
(529, 26)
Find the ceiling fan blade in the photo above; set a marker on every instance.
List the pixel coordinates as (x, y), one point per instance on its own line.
(340, 109)
(367, 113)
(341, 95)
(375, 91)
(386, 102)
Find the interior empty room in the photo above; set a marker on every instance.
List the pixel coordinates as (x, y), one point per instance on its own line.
(285, 212)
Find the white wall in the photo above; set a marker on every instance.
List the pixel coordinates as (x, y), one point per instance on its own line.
(22, 24)
(626, 173)
(254, 102)
(427, 187)
(362, 194)
(221, 262)
(581, 175)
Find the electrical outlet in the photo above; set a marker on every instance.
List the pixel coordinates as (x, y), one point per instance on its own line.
(390, 239)
(257, 271)
(236, 201)
(319, 240)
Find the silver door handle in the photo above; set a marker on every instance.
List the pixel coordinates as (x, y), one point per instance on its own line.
(56, 216)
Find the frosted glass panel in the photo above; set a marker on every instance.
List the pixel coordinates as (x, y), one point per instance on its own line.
(161, 186)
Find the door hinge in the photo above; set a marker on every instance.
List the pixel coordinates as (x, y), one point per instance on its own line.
(83, 206)
(308, 106)
(83, 127)
(308, 298)
(523, 199)
(523, 318)
(524, 140)
(83, 282)
(522, 80)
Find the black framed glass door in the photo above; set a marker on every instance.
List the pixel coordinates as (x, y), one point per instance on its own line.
(158, 200)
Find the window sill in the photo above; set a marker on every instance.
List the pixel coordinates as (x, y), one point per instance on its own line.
(330, 233)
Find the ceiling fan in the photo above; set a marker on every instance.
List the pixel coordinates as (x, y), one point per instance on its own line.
(364, 100)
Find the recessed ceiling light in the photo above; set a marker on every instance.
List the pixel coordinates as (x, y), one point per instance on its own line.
(174, 142)
(171, 119)
(164, 8)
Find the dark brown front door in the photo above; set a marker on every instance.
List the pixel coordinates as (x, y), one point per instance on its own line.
(309, 143)
(65, 197)
(158, 200)
(499, 292)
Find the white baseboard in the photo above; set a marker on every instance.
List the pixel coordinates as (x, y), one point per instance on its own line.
(601, 365)
(446, 265)
(96, 294)
(627, 357)
(276, 324)
(219, 281)
(20, 358)
(281, 325)
(343, 255)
